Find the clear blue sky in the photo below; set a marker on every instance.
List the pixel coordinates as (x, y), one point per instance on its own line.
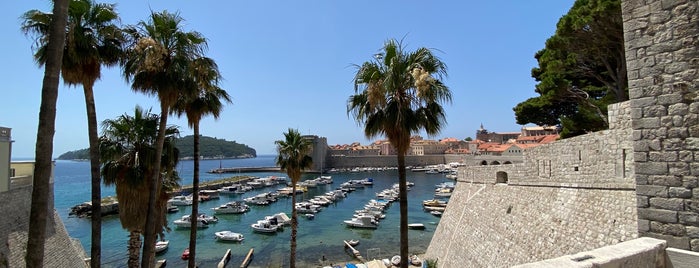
(289, 64)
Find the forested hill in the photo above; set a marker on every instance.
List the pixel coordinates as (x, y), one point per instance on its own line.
(209, 148)
(214, 148)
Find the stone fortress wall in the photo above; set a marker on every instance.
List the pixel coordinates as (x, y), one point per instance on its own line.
(639, 178)
(569, 196)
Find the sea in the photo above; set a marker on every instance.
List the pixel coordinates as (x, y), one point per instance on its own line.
(319, 240)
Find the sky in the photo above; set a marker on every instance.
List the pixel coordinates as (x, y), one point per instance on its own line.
(290, 64)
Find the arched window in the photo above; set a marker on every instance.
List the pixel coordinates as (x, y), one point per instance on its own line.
(495, 163)
(484, 163)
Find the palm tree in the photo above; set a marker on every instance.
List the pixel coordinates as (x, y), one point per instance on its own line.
(158, 64)
(293, 158)
(93, 40)
(207, 101)
(398, 95)
(128, 151)
(41, 190)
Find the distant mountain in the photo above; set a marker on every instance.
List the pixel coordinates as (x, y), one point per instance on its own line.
(209, 147)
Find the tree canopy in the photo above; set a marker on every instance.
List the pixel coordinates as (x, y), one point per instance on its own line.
(210, 148)
(582, 69)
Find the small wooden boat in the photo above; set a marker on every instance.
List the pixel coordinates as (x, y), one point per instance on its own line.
(185, 254)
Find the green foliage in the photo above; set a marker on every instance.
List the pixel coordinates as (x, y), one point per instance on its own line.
(582, 69)
(213, 147)
(210, 148)
(82, 154)
(431, 263)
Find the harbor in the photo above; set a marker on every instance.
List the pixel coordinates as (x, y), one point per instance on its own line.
(320, 240)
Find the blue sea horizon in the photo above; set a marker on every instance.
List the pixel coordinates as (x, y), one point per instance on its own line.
(317, 239)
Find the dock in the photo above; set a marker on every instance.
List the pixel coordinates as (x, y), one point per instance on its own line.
(248, 258)
(225, 259)
(354, 251)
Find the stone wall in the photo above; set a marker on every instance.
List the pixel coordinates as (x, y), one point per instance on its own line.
(384, 161)
(569, 196)
(662, 55)
(59, 249)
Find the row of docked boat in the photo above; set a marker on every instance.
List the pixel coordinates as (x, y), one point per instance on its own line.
(314, 205)
(373, 211)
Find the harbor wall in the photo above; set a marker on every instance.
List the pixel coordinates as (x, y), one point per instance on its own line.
(569, 196)
(384, 161)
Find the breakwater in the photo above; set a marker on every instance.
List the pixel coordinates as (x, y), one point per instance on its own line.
(110, 205)
(243, 170)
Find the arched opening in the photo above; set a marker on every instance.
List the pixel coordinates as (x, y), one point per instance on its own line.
(484, 163)
(507, 162)
(501, 177)
(495, 163)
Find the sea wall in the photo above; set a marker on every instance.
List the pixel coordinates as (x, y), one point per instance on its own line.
(569, 196)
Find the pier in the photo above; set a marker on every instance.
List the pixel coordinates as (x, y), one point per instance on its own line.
(243, 169)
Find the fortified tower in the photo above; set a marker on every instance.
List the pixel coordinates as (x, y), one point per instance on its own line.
(662, 55)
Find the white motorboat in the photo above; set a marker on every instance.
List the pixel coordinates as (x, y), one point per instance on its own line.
(207, 218)
(416, 226)
(436, 213)
(235, 207)
(367, 181)
(261, 199)
(161, 246)
(363, 221)
(185, 222)
(180, 200)
(172, 209)
(264, 226)
(281, 218)
(229, 236)
(231, 189)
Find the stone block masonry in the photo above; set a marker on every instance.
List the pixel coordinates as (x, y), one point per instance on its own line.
(566, 197)
(662, 55)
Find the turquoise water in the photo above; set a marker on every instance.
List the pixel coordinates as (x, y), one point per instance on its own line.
(317, 238)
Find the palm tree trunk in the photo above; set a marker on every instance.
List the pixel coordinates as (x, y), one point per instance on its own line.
(134, 249)
(148, 258)
(96, 217)
(294, 225)
(403, 194)
(44, 138)
(195, 203)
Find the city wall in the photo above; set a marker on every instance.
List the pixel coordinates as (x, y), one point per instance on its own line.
(60, 250)
(566, 197)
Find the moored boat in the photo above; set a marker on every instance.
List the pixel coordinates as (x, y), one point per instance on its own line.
(180, 200)
(161, 246)
(235, 207)
(264, 226)
(363, 221)
(416, 226)
(185, 222)
(229, 236)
